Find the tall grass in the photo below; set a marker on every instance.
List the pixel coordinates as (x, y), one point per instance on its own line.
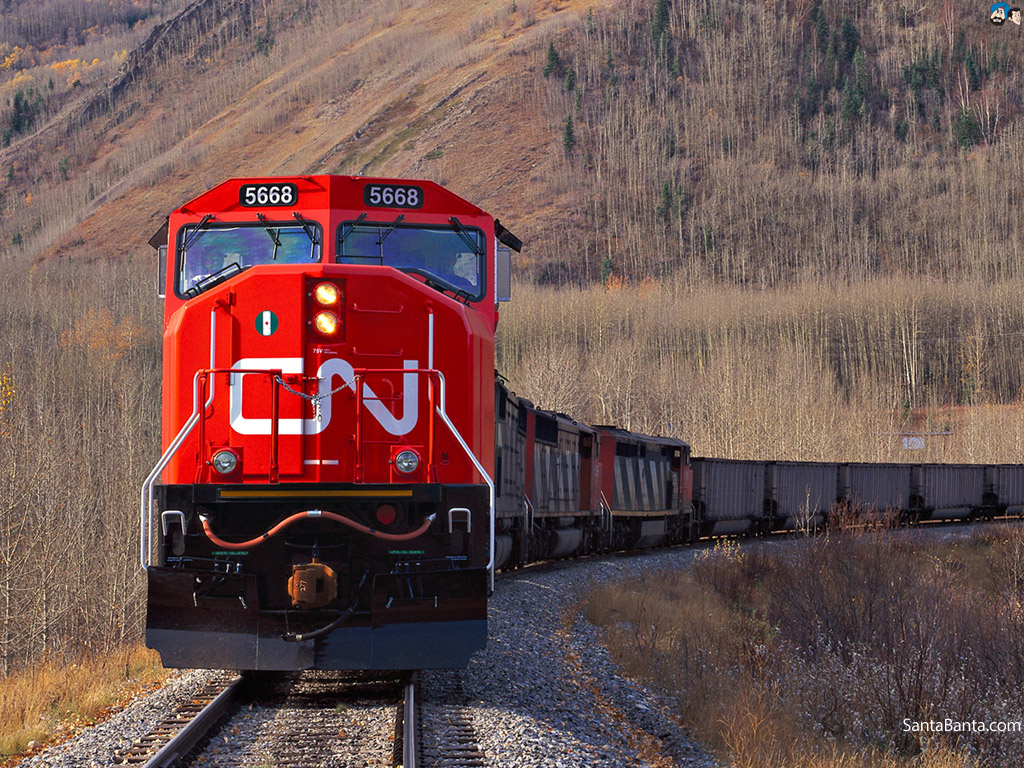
(40, 703)
(817, 653)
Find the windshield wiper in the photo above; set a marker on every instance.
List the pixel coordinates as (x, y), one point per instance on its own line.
(352, 226)
(391, 228)
(272, 233)
(194, 233)
(211, 280)
(310, 231)
(461, 231)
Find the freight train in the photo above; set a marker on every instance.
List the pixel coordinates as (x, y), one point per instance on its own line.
(342, 470)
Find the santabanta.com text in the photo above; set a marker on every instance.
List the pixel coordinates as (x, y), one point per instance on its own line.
(949, 725)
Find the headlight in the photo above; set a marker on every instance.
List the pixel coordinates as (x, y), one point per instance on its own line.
(326, 294)
(326, 323)
(406, 462)
(225, 462)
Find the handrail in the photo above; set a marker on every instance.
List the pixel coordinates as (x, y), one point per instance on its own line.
(146, 521)
(606, 509)
(479, 468)
(358, 375)
(441, 410)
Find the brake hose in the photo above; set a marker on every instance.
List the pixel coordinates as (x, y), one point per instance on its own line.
(314, 513)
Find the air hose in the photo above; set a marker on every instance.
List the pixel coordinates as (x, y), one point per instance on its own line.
(314, 513)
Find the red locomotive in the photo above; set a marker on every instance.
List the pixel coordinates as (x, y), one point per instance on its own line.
(325, 496)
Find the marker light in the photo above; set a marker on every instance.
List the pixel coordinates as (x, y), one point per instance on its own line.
(326, 323)
(406, 462)
(386, 514)
(326, 294)
(225, 462)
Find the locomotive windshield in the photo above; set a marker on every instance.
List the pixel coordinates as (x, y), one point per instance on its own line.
(208, 255)
(448, 257)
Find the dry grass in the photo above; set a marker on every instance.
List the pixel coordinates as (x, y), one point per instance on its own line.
(52, 698)
(813, 653)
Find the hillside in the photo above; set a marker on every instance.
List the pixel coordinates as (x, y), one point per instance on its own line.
(226, 88)
(755, 144)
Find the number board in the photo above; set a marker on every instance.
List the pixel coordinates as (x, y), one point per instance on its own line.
(393, 196)
(261, 195)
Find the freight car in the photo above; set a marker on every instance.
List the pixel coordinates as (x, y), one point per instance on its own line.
(342, 472)
(758, 497)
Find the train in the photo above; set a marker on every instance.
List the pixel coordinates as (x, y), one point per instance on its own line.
(343, 471)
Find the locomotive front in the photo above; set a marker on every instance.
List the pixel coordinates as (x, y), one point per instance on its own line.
(324, 499)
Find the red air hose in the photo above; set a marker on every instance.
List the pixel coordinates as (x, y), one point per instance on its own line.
(314, 513)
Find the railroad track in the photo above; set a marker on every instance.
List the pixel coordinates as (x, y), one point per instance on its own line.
(448, 737)
(307, 720)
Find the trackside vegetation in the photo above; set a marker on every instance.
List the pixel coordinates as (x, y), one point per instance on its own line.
(839, 651)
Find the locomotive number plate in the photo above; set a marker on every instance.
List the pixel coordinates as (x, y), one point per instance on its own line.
(260, 195)
(393, 196)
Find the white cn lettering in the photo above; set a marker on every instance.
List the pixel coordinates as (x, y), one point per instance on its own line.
(329, 370)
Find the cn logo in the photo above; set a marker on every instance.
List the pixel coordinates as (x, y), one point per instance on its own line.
(329, 372)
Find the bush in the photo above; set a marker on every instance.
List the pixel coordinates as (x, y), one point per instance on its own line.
(819, 652)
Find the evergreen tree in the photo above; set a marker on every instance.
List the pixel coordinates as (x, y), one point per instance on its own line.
(665, 206)
(568, 136)
(554, 63)
(821, 30)
(659, 24)
(851, 38)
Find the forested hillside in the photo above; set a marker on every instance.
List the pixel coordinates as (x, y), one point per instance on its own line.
(749, 143)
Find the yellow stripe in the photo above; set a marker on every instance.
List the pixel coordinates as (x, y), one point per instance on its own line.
(314, 494)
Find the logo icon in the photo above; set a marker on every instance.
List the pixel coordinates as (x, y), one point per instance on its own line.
(266, 323)
(330, 369)
(1001, 12)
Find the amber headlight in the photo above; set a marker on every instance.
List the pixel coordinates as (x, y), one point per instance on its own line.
(326, 294)
(326, 323)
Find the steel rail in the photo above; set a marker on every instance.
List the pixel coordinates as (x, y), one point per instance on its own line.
(187, 733)
(410, 733)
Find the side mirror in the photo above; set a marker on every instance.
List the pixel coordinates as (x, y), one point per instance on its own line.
(161, 271)
(503, 275)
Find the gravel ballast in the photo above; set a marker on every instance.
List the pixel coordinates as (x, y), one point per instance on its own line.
(543, 692)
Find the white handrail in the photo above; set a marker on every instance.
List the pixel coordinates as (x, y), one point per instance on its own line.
(479, 468)
(146, 521)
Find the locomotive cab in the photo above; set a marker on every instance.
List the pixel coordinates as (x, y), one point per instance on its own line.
(324, 498)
